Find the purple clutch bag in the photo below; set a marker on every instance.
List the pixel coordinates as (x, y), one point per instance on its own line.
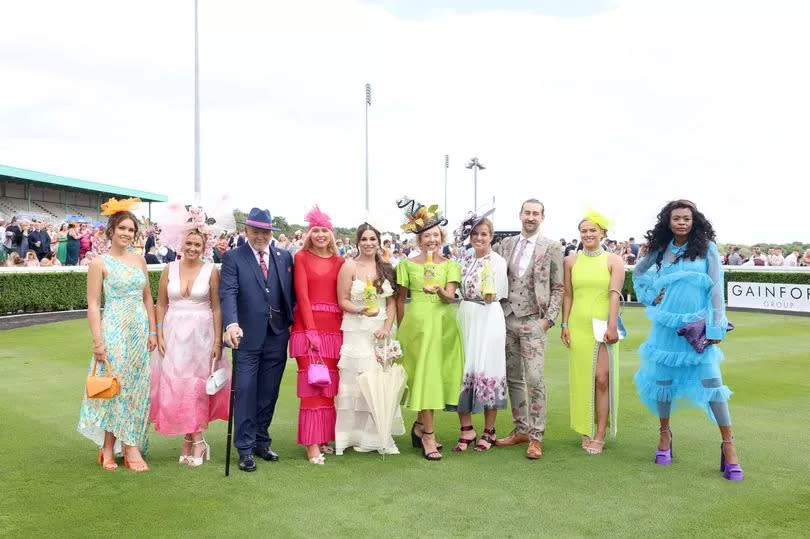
(695, 334)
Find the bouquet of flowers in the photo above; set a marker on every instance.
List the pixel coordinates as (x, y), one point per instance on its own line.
(388, 352)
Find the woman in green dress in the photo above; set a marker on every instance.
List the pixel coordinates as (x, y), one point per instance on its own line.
(428, 330)
(61, 243)
(593, 283)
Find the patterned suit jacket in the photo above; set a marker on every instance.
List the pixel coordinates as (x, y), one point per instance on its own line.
(547, 265)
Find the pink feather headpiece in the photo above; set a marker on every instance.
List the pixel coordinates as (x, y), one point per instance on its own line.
(316, 217)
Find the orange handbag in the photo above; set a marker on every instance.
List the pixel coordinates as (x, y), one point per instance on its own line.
(102, 387)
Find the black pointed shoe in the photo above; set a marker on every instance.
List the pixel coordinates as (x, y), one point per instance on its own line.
(266, 454)
(246, 463)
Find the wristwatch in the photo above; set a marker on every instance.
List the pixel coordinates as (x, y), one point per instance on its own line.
(550, 323)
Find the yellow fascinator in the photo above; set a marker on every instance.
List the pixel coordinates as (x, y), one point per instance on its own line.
(596, 217)
(114, 206)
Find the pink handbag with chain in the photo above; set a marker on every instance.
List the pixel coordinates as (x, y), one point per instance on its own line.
(317, 372)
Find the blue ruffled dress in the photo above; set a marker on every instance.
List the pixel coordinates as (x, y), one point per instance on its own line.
(672, 374)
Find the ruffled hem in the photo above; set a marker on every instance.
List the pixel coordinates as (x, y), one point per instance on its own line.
(695, 278)
(330, 344)
(316, 425)
(305, 390)
(363, 324)
(649, 352)
(680, 394)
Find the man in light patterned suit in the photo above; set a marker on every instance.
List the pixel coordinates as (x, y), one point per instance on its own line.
(535, 270)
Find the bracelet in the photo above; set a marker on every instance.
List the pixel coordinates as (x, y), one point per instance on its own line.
(563, 324)
(159, 324)
(153, 333)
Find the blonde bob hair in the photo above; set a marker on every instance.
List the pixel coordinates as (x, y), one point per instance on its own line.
(332, 247)
(441, 231)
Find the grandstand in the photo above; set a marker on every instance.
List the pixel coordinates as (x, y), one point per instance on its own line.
(51, 198)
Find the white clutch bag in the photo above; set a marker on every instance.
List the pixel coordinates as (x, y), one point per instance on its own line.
(600, 326)
(217, 380)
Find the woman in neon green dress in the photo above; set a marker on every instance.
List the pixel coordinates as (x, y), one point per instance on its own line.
(428, 331)
(593, 283)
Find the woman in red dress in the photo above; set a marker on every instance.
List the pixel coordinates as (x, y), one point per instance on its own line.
(316, 333)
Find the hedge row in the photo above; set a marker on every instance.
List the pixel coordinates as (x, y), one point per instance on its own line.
(63, 291)
(45, 292)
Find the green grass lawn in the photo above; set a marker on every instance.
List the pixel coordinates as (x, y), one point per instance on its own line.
(51, 484)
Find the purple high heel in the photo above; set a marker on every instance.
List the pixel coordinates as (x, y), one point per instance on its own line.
(731, 472)
(663, 457)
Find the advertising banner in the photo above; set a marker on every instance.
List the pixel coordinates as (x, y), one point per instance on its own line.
(770, 296)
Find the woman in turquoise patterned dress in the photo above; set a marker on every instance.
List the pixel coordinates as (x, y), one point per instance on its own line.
(429, 333)
(124, 336)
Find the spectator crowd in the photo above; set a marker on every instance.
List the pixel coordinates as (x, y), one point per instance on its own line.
(28, 242)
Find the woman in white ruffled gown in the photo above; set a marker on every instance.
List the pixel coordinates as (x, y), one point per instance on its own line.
(355, 425)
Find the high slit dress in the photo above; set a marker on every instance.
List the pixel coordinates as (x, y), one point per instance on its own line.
(590, 280)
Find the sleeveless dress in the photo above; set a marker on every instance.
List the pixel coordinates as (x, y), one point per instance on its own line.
(355, 426)
(61, 249)
(672, 374)
(316, 313)
(433, 356)
(483, 332)
(590, 280)
(180, 404)
(72, 251)
(125, 329)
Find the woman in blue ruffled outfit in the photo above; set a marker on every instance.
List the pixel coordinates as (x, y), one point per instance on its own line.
(681, 281)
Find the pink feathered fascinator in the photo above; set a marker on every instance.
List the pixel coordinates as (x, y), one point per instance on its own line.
(183, 220)
(316, 217)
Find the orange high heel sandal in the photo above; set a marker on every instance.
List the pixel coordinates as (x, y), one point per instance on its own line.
(106, 465)
(135, 465)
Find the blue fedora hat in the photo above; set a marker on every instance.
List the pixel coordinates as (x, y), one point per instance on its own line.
(260, 219)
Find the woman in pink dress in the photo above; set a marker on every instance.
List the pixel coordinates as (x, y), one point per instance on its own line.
(189, 332)
(316, 333)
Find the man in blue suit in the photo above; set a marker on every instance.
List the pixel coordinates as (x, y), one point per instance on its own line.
(257, 297)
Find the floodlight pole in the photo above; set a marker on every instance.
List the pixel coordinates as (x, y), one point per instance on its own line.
(446, 166)
(475, 165)
(368, 104)
(197, 194)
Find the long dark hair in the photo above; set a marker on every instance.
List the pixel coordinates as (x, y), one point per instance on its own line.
(384, 269)
(700, 236)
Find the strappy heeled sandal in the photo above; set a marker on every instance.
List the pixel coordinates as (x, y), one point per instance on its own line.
(663, 457)
(184, 458)
(732, 472)
(138, 466)
(320, 460)
(433, 455)
(464, 443)
(108, 465)
(326, 449)
(595, 450)
(206, 454)
(487, 438)
(585, 441)
(416, 440)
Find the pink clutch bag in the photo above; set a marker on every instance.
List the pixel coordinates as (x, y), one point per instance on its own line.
(317, 372)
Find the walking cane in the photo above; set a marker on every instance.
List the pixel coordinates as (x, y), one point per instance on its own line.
(234, 353)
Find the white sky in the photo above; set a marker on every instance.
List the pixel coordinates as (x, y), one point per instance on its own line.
(620, 107)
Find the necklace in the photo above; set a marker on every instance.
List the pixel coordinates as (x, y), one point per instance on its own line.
(593, 253)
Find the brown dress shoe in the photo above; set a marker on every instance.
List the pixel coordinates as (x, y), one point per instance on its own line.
(513, 439)
(535, 450)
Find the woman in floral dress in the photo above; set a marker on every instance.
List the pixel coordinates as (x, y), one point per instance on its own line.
(483, 332)
(123, 337)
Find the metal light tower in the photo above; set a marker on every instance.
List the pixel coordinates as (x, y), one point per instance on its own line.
(446, 166)
(475, 165)
(197, 193)
(368, 104)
